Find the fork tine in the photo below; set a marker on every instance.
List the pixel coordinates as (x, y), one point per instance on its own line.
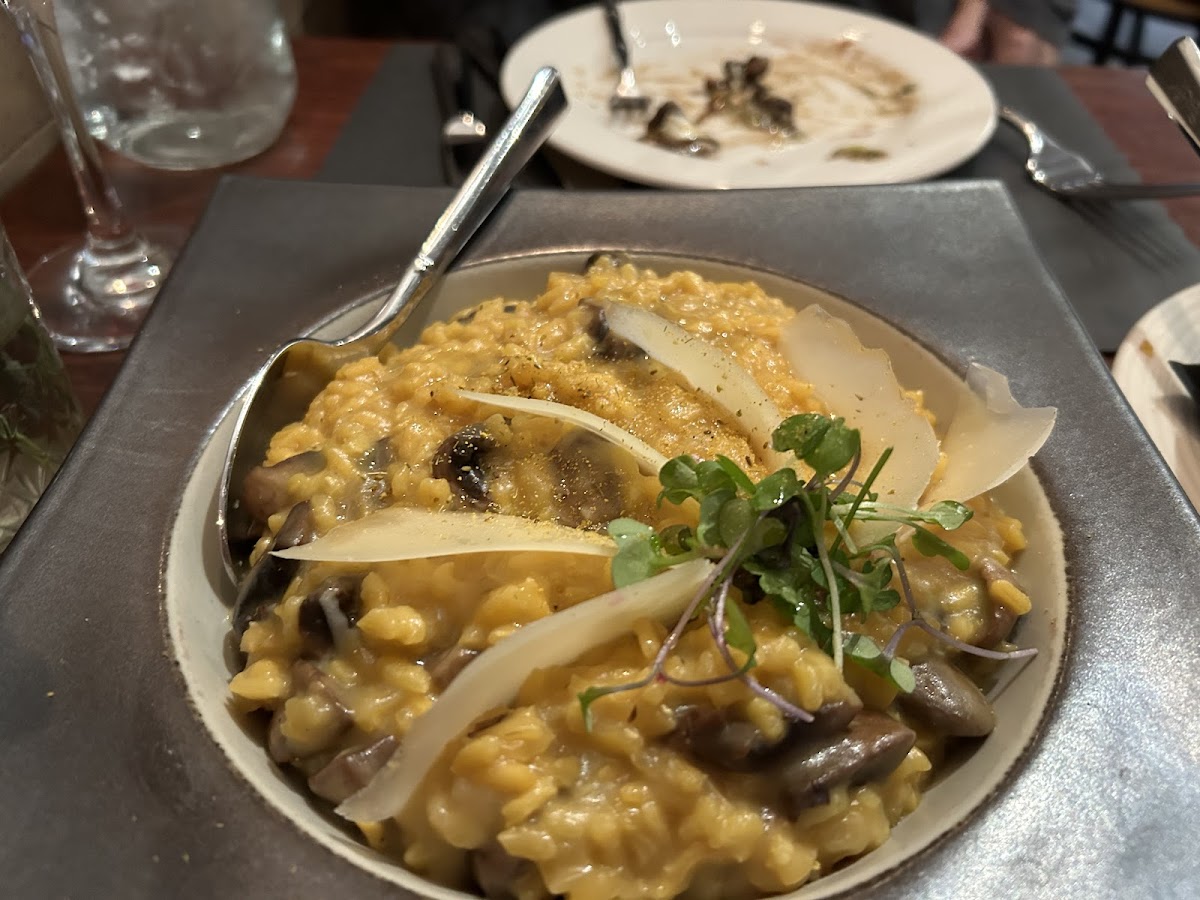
(626, 96)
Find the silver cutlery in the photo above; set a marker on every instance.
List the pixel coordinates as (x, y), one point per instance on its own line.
(462, 132)
(1188, 375)
(1174, 80)
(627, 97)
(1067, 174)
(464, 127)
(280, 392)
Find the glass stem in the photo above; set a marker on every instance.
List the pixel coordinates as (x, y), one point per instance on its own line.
(108, 231)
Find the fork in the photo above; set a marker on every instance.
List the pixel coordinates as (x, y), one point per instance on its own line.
(1067, 174)
(627, 97)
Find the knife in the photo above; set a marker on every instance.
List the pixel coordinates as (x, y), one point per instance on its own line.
(1189, 376)
(451, 86)
(1174, 80)
(482, 50)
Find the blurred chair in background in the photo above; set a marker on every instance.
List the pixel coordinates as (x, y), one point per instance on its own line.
(1114, 43)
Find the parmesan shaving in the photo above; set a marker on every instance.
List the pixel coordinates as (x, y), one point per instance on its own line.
(990, 438)
(650, 461)
(400, 533)
(859, 385)
(707, 369)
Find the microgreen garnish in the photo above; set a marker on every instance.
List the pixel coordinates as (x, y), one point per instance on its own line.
(787, 541)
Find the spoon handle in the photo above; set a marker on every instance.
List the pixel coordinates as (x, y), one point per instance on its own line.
(524, 132)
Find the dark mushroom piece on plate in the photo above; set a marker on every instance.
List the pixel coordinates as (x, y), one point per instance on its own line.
(711, 736)
(947, 701)
(328, 613)
(670, 127)
(459, 460)
(265, 583)
(871, 747)
(351, 769)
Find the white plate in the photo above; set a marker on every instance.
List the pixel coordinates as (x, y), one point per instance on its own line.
(681, 41)
(1169, 331)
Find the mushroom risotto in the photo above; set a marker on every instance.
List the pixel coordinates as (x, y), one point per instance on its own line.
(648, 587)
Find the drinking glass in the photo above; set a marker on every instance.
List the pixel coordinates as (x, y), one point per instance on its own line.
(177, 84)
(39, 418)
(94, 293)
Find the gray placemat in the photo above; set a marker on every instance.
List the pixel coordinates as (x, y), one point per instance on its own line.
(1114, 261)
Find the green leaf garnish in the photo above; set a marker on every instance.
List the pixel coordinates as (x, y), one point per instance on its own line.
(738, 479)
(628, 531)
(930, 544)
(679, 480)
(866, 653)
(840, 445)
(594, 693)
(801, 434)
(638, 555)
(735, 519)
(775, 490)
(787, 542)
(949, 514)
(738, 634)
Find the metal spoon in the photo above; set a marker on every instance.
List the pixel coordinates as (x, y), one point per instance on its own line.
(297, 371)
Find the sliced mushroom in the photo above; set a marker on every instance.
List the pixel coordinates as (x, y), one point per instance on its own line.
(709, 735)
(608, 345)
(769, 113)
(743, 92)
(265, 493)
(374, 466)
(459, 460)
(496, 871)
(870, 749)
(265, 583)
(444, 667)
(349, 771)
(307, 676)
(1000, 619)
(670, 127)
(326, 724)
(590, 486)
(948, 701)
(328, 613)
(378, 458)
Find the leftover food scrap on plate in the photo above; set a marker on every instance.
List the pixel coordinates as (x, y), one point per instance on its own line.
(626, 591)
(830, 90)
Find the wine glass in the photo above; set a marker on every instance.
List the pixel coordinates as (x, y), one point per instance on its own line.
(94, 293)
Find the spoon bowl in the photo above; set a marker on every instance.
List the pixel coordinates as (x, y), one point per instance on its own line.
(297, 371)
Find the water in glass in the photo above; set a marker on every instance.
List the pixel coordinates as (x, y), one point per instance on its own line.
(177, 84)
